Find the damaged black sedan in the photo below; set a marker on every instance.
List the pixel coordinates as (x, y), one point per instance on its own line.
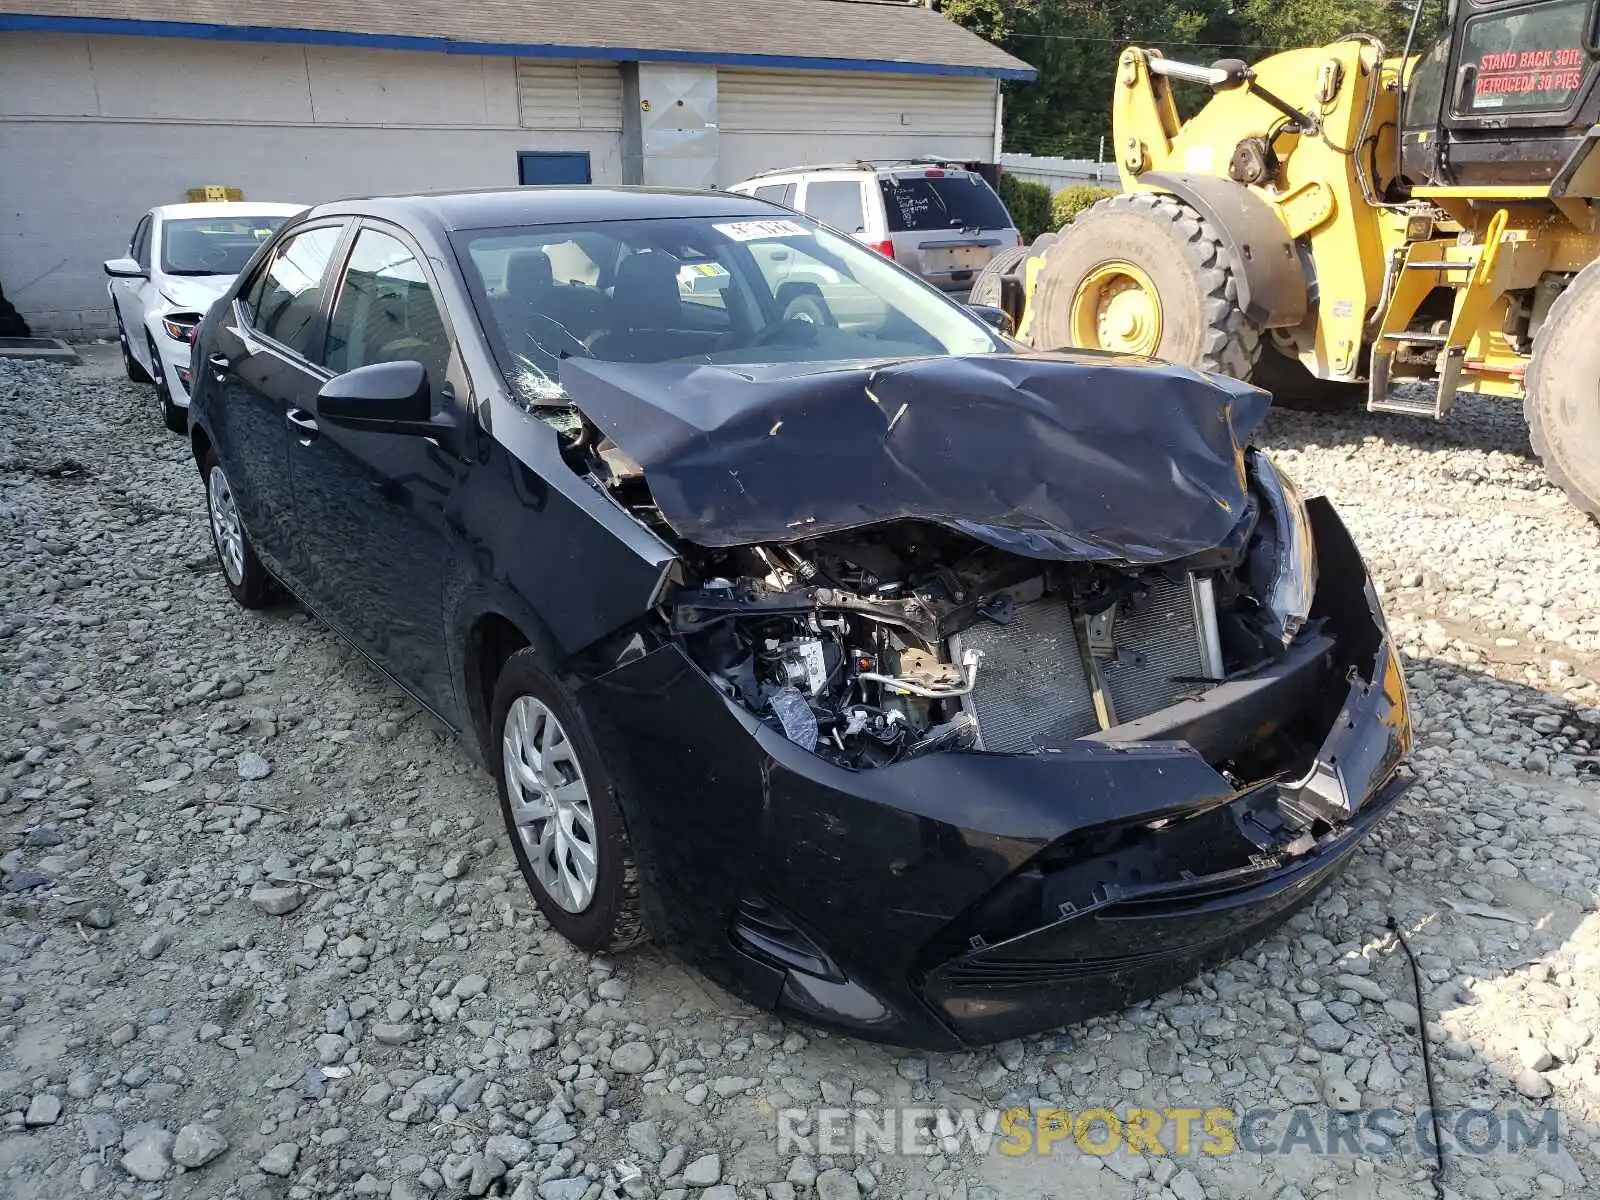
(907, 683)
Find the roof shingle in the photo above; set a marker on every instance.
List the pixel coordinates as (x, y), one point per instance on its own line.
(864, 34)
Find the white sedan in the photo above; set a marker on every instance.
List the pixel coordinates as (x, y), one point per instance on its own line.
(181, 258)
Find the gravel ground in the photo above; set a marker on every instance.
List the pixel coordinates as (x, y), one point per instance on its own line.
(261, 935)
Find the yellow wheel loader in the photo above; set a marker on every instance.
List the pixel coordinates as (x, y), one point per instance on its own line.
(1335, 222)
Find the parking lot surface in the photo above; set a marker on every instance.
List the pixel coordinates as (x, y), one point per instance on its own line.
(261, 935)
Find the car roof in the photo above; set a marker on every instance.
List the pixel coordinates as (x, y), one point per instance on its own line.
(225, 208)
(491, 208)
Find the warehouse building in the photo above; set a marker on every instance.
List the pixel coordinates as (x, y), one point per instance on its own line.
(108, 107)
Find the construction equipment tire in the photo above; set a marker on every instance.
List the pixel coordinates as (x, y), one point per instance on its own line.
(1144, 274)
(1562, 398)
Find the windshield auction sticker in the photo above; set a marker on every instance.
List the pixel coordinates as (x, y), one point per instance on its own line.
(754, 231)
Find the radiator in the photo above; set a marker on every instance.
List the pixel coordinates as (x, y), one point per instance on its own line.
(1033, 689)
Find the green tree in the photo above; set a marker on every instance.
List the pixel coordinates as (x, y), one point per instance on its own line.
(1074, 45)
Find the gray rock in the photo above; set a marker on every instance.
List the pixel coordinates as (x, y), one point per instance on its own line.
(330, 1048)
(253, 766)
(1536, 1056)
(196, 1145)
(154, 946)
(834, 1184)
(632, 1058)
(150, 1156)
(469, 986)
(672, 1163)
(1531, 1084)
(280, 1159)
(43, 1109)
(394, 1035)
(703, 1171)
(571, 1188)
(1328, 1035)
(1185, 1186)
(276, 901)
(508, 1149)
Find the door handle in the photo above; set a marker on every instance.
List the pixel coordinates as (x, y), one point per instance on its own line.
(219, 367)
(304, 423)
(1466, 78)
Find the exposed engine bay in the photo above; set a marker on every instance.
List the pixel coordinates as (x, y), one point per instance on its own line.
(873, 646)
(902, 640)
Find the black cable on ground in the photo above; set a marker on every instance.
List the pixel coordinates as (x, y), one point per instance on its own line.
(1427, 1060)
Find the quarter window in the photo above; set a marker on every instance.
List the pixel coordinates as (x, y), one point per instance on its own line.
(386, 311)
(285, 298)
(777, 193)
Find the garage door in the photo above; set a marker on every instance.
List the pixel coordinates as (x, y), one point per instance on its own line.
(773, 119)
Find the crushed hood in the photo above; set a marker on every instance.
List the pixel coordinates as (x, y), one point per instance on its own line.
(1056, 456)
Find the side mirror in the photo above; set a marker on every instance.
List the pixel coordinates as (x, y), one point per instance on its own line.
(391, 397)
(125, 268)
(999, 318)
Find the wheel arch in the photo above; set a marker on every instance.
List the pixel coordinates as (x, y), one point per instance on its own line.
(1273, 290)
(488, 635)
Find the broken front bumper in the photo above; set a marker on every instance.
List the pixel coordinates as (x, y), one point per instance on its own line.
(962, 898)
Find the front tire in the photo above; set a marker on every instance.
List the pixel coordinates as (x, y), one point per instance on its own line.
(1562, 398)
(130, 364)
(561, 810)
(1144, 274)
(175, 418)
(249, 583)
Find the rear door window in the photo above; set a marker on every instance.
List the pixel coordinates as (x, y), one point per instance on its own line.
(1525, 59)
(959, 201)
(288, 294)
(836, 202)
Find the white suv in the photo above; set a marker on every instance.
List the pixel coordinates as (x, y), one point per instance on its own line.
(936, 219)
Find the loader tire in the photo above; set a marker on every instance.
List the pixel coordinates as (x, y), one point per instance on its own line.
(1292, 386)
(1562, 397)
(986, 286)
(1144, 274)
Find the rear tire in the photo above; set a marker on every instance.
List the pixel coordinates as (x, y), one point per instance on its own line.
(249, 583)
(1196, 319)
(1292, 386)
(1562, 397)
(541, 746)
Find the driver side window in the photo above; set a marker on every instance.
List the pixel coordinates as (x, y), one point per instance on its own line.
(386, 311)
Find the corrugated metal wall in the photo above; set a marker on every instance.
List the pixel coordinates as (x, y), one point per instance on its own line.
(846, 102)
(553, 94)
(773, 119)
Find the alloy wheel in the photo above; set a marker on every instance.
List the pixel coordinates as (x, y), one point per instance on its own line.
(225, 525)
(550, 804)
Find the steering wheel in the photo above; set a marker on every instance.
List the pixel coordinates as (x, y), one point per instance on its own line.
(802, 318)
(573, 343)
